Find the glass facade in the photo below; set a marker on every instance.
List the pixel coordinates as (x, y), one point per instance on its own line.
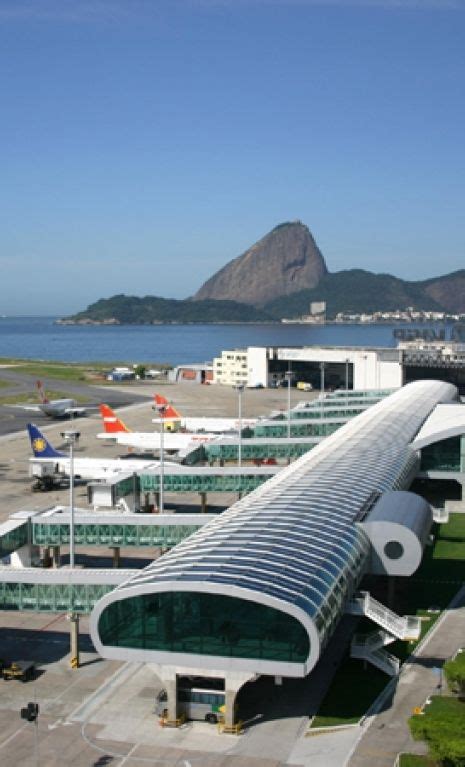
(14, 539)
(441, 456)
(206, 624)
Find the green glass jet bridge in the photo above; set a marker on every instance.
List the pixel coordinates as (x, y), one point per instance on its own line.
(305, 427)
(114, 530)
(323, 408)
(233, 479)
(59, 591)
(258, 449)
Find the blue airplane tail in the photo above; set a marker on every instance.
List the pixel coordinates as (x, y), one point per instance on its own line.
(41, 447)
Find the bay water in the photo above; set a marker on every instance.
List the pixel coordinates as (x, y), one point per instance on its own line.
(40, 338)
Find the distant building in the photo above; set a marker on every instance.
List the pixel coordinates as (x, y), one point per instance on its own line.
(352, 367)
(195, 373)
(231, 368)
(318, 307)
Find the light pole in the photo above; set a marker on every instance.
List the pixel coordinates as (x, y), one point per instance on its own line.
(71, 437)
(347, 380)
(289, 379)
(161, 412)
(322, 381)
(239, 389)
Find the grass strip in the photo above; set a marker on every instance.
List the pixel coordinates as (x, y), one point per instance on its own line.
(30, 398)
(414, 760)
(350, 695)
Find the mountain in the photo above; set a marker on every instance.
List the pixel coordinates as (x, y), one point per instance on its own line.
(286, 260)
(278, 277)
(448, 291)
(357, 291)
(150, 310)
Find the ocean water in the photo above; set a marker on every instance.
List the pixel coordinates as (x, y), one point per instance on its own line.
(40, 338)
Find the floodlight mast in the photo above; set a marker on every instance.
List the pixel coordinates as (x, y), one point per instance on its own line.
(240, 390)
(71, 437)
(161, 409)
(288, 375)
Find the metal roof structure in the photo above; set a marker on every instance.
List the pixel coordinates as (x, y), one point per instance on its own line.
(444, 422)
(293, 546)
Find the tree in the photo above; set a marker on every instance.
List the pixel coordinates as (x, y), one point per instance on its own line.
(455, 673)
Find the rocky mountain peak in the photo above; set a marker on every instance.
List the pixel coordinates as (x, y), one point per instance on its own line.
(284, 261)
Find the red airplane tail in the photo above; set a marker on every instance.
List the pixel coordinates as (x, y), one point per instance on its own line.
(111, 423)
(170, 411)
(43, 397)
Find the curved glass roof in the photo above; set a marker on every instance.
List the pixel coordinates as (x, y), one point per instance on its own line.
(294, 538)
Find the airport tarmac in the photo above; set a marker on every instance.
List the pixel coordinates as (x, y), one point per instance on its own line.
(102, 713)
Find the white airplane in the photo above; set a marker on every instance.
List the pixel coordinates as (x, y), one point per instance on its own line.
(203, 423)
(55, 408)
(179, 442)
(83, 468)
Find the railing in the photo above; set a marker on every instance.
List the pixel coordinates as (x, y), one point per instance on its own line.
(385, 661)
(372, 641)
(440, 515)
(370, 650)
(401, 627)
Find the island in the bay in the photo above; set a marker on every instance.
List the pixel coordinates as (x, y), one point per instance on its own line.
(280, 277)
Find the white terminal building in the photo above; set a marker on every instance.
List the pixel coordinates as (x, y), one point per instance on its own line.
(352, 367)
(361, 368)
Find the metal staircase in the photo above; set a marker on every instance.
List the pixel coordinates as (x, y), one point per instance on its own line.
(403, 627)
(369, 647)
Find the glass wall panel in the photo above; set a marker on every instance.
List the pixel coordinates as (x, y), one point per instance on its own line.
(207, 624)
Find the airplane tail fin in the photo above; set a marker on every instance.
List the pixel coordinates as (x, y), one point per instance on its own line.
(111, 423)
(41, 447)
(41, 390)
(170, 411)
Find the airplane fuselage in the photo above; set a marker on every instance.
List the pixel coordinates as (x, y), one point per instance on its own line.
(58, 408)
(90, 468)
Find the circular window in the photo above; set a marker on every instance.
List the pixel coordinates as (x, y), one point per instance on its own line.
(393, 550)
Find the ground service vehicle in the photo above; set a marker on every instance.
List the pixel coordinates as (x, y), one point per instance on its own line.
(195, 703)
(20, 669)
(304, 386)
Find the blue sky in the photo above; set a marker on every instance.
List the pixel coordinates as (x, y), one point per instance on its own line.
(145, 143)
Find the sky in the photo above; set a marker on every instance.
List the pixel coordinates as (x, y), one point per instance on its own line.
(146, 143)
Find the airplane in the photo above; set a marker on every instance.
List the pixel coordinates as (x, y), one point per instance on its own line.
(203, 423)
(117, 431)
(83, 468)
(55, 408)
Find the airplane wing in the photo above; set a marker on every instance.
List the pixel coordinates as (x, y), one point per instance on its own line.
(31, 408)
(75, 410)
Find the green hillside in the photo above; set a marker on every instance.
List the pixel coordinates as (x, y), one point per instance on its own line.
(357, 291)
(133, 310)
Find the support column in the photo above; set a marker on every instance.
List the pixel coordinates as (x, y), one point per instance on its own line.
(74, 639)
(232, 684)
(169, 680)
(56, 556)
(157, 502)
(171, 687)
(116, 555)
(203, 503)
(229, 712)
(47, 559)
